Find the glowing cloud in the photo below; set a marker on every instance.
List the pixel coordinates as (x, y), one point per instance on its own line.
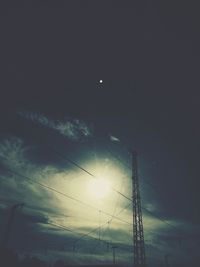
(98, 188)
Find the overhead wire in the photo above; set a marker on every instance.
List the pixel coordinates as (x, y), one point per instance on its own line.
(149, 183)
(78, 233)
(128, 166)
(65, 195)
(81, 202)
(88, 234)
(86, 204)
(86, 171)
(101, 224)
(128, 198)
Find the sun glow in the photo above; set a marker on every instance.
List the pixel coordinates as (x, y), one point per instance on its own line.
(99, 188)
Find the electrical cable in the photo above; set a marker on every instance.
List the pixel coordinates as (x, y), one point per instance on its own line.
(65, 195)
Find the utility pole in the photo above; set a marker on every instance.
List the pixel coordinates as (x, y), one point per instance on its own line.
(10, 222)
(113, 248)
(138, 234)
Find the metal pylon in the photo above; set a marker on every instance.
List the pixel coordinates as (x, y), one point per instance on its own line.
(138, 235)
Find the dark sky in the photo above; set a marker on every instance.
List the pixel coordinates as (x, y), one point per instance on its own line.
(53, 55)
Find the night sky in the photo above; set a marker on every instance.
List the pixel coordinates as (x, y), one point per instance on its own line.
(56, 117)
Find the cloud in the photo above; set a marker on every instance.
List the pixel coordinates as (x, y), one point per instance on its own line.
(14, 160)
(114, 139)
(12, 152)
(43, 206)
(74, 129)
(15, 156)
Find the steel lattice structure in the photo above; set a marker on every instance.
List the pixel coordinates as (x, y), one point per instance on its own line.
(138, 234)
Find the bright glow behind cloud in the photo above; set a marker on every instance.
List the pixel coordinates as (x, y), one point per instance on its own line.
(99, 188)
(82, 216)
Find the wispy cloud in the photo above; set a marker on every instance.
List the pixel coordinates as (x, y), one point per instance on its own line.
(74, 129)
(114, 139)
(12, 152)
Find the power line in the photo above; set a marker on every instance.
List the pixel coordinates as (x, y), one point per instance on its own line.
(153, 186)
(101, 224)
(86, 171)
(78, 233)
(66, 195)
(81, 202)
(108, 222)
(78, 166)
(160, 218)
(44, 210)
(75, 232)
(92, 175)
(86, 204)
(125, 164)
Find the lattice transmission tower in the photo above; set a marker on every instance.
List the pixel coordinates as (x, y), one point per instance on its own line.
(138, 234)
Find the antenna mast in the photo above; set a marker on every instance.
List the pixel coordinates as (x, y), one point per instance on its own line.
(138, 234)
